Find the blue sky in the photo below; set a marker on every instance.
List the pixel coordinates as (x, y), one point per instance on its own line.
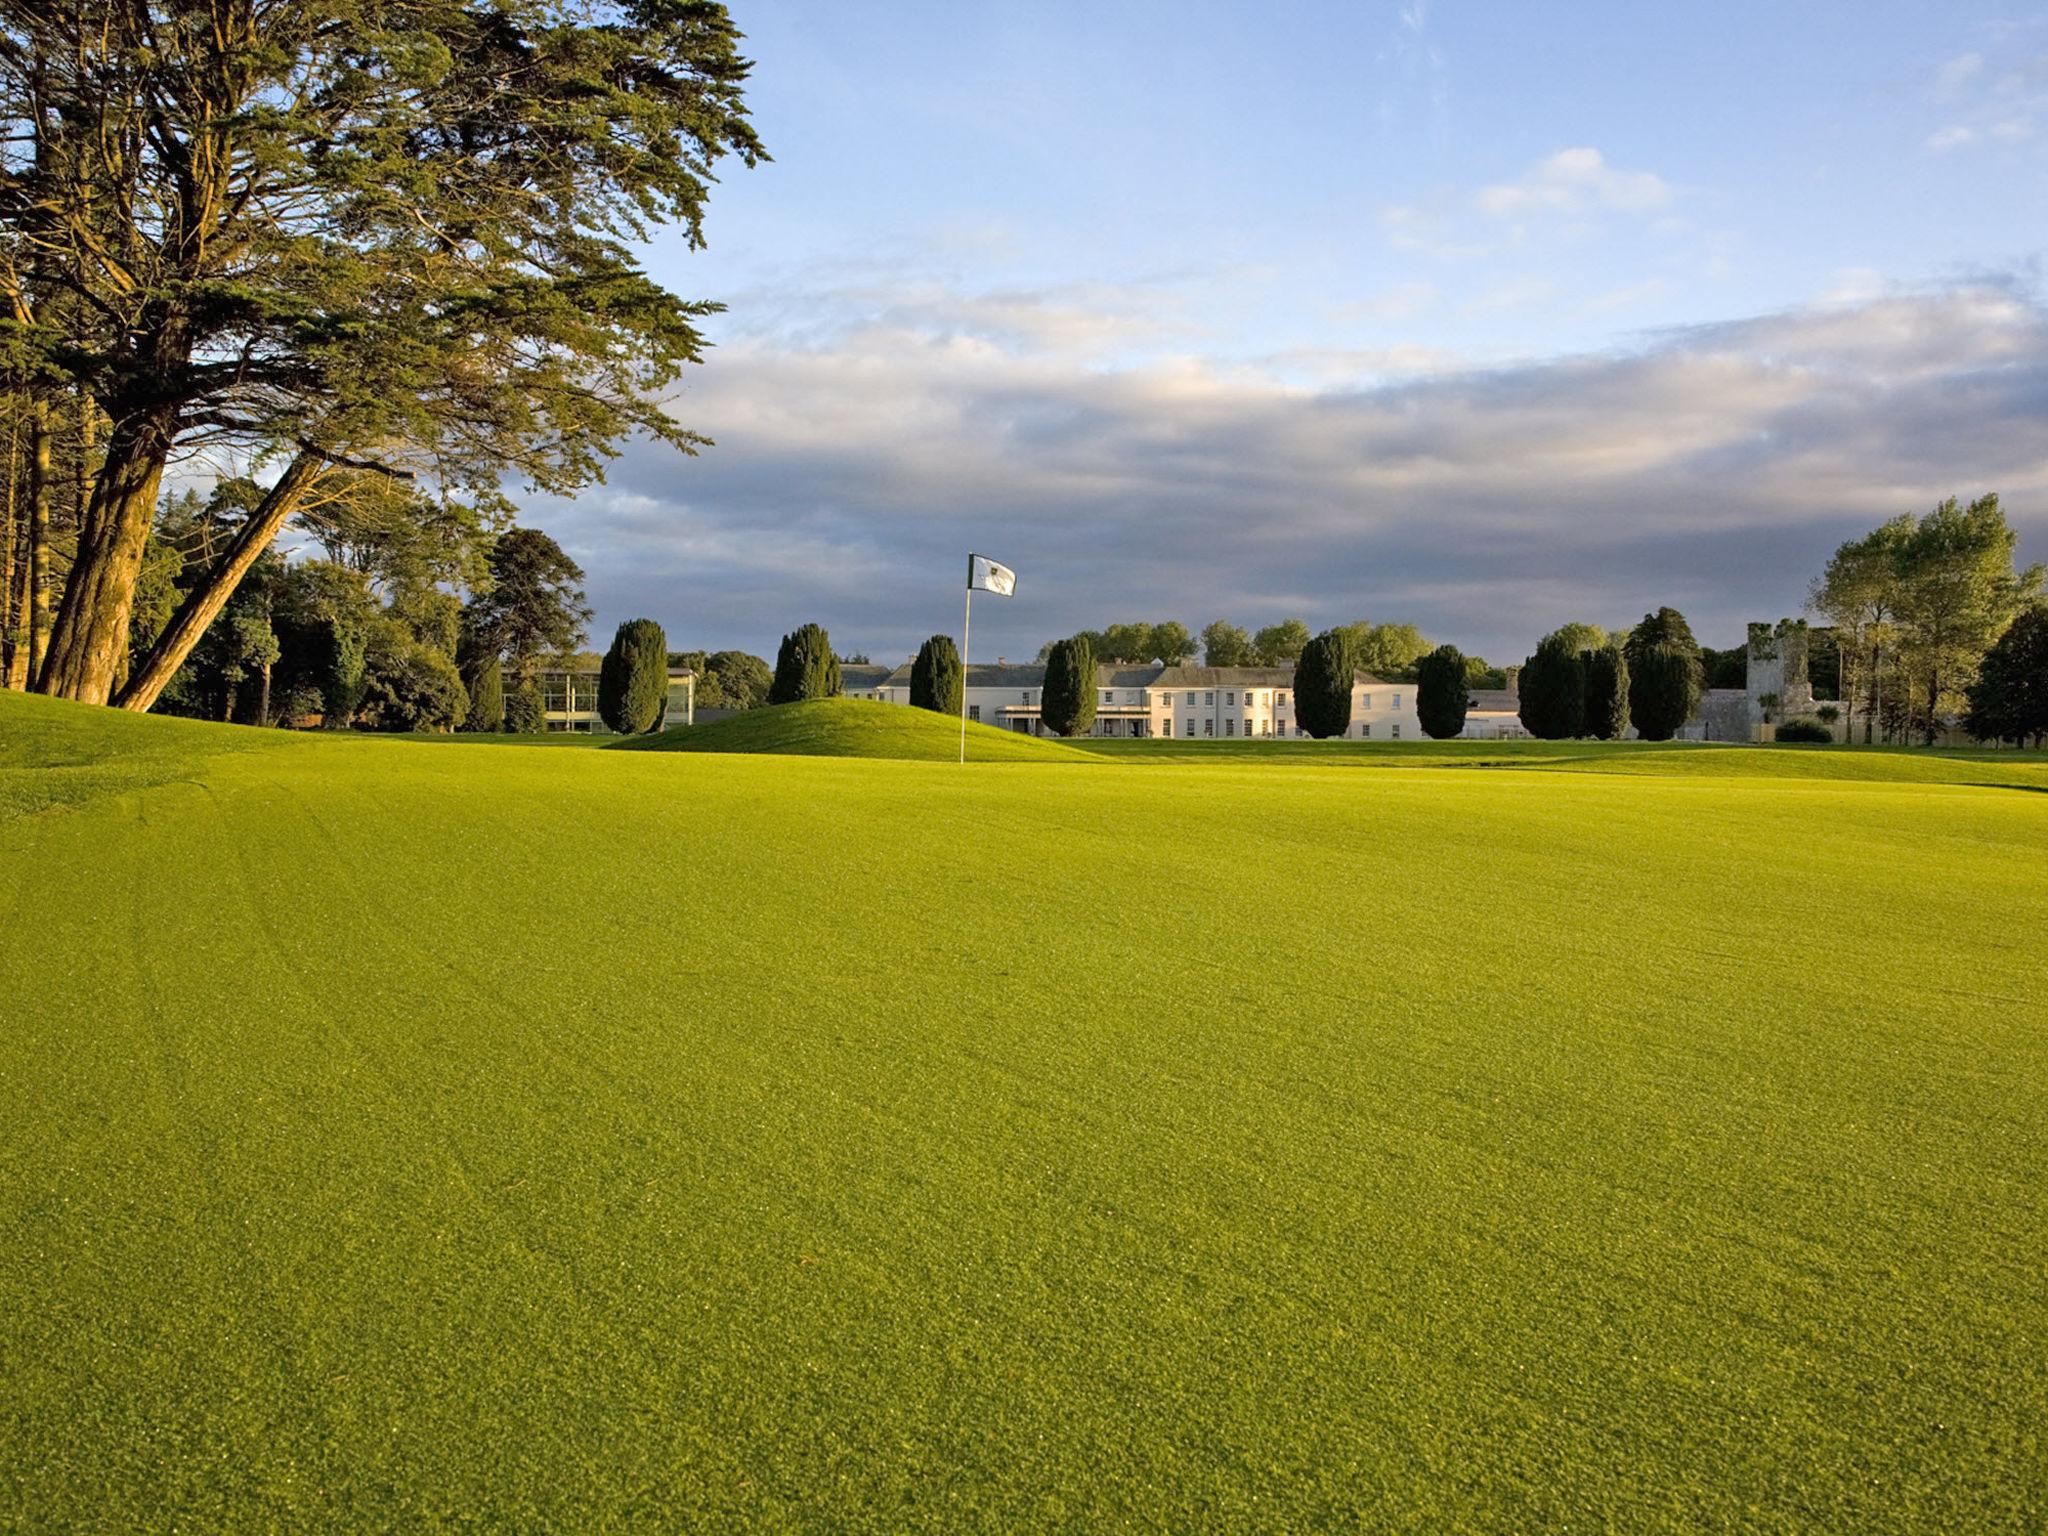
(1482, 317)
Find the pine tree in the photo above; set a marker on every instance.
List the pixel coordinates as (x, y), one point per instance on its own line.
(632, 680)
(1441, 693)
(1067, 700)
(936, 681)
(486, 696)
(1553, 688)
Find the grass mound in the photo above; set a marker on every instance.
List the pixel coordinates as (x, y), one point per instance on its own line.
(853, 728)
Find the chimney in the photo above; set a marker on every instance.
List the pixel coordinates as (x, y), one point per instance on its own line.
(999, 661)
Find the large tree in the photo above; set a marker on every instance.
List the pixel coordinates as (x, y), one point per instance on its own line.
(1225, 645)
(1860, 594)
(1278, 644)
(1386, 650)
(1442, 694)
(2009, 698)
(936, 681)
(343, 235)
(1066, 699)
(1958, 593)
(534, 605)
(1322, 685)
(1665, 678)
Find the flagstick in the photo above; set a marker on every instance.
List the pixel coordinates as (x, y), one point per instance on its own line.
(966, 624)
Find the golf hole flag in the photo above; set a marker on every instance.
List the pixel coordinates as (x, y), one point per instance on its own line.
(983, 574)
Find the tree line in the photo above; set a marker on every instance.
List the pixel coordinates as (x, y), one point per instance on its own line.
(1389, 651)
(375, 256)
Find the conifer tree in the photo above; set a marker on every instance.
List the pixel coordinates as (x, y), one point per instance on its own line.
(936, 681)
(805, 667)
(632, 680)
(1067, 701)
(1441, 693)
(1322, 685)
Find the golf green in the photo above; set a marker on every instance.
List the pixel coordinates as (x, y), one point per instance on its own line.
(409, 1136)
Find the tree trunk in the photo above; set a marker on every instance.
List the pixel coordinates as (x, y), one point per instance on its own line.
(1933, 700)
(1876, 690)
(91, 634)
(206, 600)
(10, 637)
(38, 622)
(263, 698)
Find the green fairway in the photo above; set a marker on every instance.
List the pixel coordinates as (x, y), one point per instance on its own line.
(413, 1136)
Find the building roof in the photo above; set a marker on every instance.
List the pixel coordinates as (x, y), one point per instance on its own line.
(1494, 701)
(861, 676)
(1242, 677)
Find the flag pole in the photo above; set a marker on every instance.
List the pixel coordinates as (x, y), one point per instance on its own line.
(966, 625)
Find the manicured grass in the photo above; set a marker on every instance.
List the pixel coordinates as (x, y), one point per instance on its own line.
(853, 728)
(404, 1137)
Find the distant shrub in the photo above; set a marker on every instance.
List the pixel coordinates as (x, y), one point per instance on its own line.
(935, 677)
(632, 681)
(525, 714)
(1805, 728)
(1322, 685)
(805, 667)
(1442, 692)
(1066, 702)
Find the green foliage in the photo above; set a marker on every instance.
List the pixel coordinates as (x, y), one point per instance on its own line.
(1478, 674)
(340, 652)
(1553, 685)
(1665, 677)
(805, 667)
(1606, 713)
(1322, 685)
(409, 686)
(525, 710)
(1442, 693)
(1724, 669)
(1388, 651)
(486, 710)
(1225, 645)
(2009, 699)
(936, 681)
(534, 605)
(1805, 728)
(1067, 700)
(632, 681)
(1278, 644)
(1171, 643)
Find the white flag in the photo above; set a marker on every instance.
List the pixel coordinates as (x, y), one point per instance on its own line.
(985, 574)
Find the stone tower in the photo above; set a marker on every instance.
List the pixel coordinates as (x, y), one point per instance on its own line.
(1777, 665)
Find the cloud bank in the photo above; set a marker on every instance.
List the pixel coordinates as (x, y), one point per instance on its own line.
(1713, 468)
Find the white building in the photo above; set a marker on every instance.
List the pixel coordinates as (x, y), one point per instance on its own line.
(568, 695)
(1175, 703)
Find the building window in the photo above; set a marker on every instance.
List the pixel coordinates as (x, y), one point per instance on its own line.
(1209, 725)
(1397, 705)
(974, 711)
(1368, 702)
(1365, 729)
(1108, 696)
(1169, 726)
(1266, 728)
(1025, 696)
(1211, 698)
(1279, 698)
(1230, 727)
(1230, 699)
(1397, 730)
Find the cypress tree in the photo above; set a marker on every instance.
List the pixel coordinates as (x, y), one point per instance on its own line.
(486, 696)
(1067, 701)
(1665, 675)
(936, 681)
(1553, 686)
(1441, 696)
(805, 667)
(1322, 685)
(1606, 693)
(632, 681)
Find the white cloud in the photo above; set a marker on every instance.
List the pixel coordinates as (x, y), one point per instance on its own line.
(1574, 181)
(1715, 469)
(1952, 137)
(1956, 73)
